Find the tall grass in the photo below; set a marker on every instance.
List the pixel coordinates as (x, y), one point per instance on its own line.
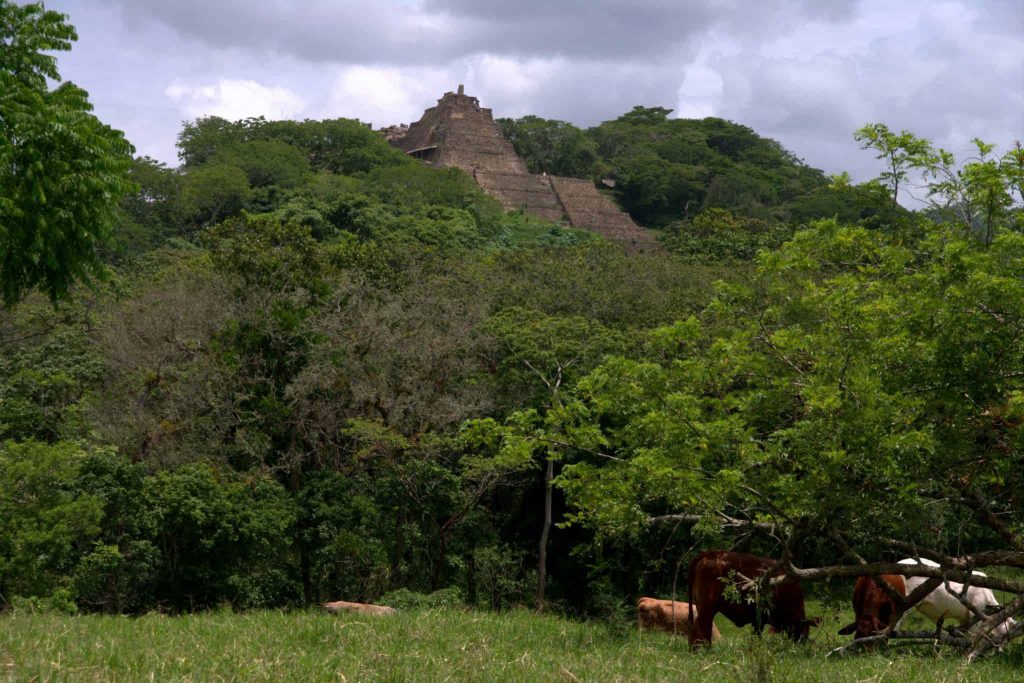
(437, 645)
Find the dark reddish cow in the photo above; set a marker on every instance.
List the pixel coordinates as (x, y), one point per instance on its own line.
(873, 609)
(711, 571)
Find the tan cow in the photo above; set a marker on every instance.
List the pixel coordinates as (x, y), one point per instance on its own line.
(662, 614)
(360, 607)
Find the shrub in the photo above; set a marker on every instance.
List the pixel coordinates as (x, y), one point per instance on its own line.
(405, 599)
(45, 524)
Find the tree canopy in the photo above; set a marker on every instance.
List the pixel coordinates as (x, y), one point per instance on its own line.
(62, 171)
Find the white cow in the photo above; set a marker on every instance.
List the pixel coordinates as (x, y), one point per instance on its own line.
(940, 604)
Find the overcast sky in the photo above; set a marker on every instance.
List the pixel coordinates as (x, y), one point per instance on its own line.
(805, 72)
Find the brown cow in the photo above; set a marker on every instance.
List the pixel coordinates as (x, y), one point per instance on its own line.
(873, 609)
(711, 571)
(667, 615)
(360, 607)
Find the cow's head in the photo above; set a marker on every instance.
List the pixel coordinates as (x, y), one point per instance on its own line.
(801, 629)
(866, 625)
(871, 622)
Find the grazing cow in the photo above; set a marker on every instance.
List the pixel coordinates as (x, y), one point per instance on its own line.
(668, 615)
(874, 610)
(360, 607)
(940, 603)
(709, 573)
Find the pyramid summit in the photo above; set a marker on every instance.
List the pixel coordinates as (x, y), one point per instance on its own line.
(458, 132)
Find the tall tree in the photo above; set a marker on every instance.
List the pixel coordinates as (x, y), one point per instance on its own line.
(901, 152)
(62, 171)
(542, 356)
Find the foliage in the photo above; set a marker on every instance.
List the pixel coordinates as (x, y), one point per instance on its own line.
(222, 536)
(213, 192)
(349, 536)
(977, 195)
(266, 162)
(45, 376)
(47, 524)
(61, 169)
(151, 213)
(336, 145)
(900, 152)
(671, 169)
(855, 377)
(717, 234)
(552, 147)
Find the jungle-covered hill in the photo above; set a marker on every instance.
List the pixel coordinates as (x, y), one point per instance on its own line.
(302, 366)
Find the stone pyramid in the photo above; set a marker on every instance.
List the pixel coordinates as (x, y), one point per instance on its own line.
(459, 132)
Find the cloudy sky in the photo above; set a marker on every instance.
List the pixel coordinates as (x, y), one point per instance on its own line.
(805, 72)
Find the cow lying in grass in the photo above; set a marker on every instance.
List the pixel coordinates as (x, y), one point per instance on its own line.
(941, 604)
(359, 607)
(668, 615)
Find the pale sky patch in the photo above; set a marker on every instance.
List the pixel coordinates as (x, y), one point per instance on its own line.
(234, 99)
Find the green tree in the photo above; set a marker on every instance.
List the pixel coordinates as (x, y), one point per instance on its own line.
(62, 171)
(645, 116)
(901, 153)
(542, 356)
(47, 524)
(979, 193)
(266, 162)
(213, 192)
(859, 390)
(151, 214)
(552, 147)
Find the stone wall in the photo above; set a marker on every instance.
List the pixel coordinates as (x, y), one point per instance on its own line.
(588, 209)
(530, 193)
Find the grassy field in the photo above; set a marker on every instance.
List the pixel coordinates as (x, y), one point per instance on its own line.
(439, 646)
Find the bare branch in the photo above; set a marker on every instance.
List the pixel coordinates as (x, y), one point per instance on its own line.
(793, 573)
(727, 521)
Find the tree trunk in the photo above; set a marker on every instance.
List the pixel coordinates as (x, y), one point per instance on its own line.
(471, 591)
(542, 550)
(442, 558)
(394, 576)
(306, 573)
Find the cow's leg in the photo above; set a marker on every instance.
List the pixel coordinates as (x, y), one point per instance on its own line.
(938, 626)
(700, 634)
(899, 622)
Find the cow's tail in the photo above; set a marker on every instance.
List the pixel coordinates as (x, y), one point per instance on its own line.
(690, 594)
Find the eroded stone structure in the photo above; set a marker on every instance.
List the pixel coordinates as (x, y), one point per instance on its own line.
(459, 132)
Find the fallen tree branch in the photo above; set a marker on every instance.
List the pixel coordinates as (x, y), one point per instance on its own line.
(914, 638)
(793, 573)
(983, 641)
(898, 598)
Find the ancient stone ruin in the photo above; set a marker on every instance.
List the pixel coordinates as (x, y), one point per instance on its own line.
(459, 132)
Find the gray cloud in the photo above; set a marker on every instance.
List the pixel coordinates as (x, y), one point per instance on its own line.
(805, 72)
(361, 31)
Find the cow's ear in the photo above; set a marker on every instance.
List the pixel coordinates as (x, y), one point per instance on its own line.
(847, 630)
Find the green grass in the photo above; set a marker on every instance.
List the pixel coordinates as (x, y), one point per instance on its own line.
(436, 646)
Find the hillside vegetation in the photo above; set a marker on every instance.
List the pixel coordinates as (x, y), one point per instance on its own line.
(667, 171)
